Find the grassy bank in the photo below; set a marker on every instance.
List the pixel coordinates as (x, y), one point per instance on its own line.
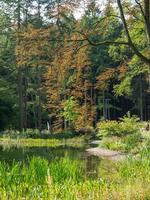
(66, 180)
(133, 144)
(30, 142)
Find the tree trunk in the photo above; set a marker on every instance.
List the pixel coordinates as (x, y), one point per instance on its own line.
(34, 112)
(104, 109)
(141, 99)
(85, 103)
(39, 98)
(21, 107)
(147, 19)
(25, 98)
(20, 76)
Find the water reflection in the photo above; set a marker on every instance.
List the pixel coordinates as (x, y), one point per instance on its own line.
(91, 163)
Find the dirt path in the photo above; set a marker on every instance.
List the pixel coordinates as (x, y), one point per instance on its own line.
(106, 153)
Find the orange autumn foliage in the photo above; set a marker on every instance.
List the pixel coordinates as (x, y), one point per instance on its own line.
(67, 77)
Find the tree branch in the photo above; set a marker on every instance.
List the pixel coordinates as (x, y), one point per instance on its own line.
(106, 42)
(147, 18)
(135, 15)
(142, 11)
(134, 48)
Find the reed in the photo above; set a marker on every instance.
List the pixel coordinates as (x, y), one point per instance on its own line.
(66, 180)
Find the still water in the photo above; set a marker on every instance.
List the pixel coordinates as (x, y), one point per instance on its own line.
(92, 164)
(23, 154)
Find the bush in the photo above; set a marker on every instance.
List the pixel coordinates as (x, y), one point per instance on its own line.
(36, 134)
(128, 125)
(108, 128)
(29, 133)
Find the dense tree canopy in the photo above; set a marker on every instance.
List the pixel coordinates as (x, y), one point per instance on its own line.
(73, 71)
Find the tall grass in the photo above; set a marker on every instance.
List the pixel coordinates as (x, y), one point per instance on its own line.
(66, 180)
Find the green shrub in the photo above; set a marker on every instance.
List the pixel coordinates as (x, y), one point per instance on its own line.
(128, 125)
(29, 133)
(36, 134)
(70, 112)
(108, 128)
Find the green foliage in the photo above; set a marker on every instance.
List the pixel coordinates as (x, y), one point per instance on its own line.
(124, 88)
(62, 171)
(36, 134)
(131, 142)
(8, 108)
(128, 143)
(112, 143)
(28, 133)
(70, 112)
(128, 125)
(108, 128)
(135, 69)
(123, 136)
(65, 180)
(29, 42)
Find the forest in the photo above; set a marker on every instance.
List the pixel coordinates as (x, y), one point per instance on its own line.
(75, 99)
(54, 56)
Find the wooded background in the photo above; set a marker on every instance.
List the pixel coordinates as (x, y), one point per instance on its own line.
(97, 65)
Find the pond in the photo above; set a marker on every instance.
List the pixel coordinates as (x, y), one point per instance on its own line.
(71, 174)
(23, 154)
